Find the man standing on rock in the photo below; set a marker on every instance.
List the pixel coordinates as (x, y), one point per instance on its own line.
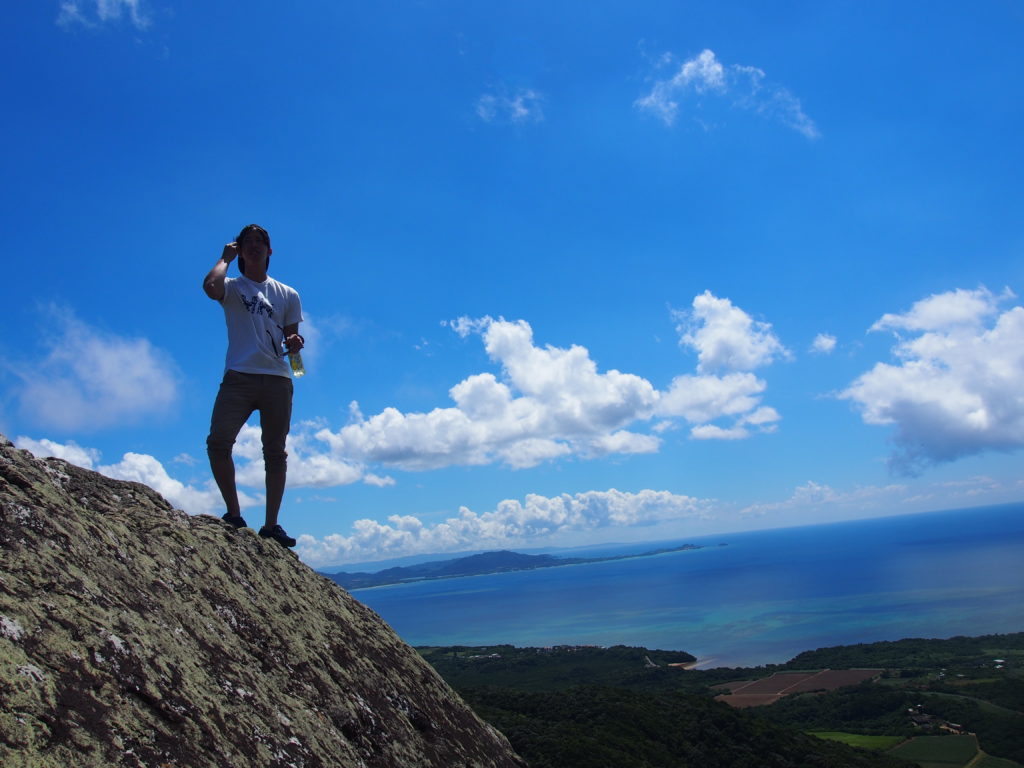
(263, 319)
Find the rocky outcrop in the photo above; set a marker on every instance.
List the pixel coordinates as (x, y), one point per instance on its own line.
(132, 634)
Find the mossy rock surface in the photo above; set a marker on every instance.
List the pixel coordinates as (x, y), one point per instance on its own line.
(132, 634)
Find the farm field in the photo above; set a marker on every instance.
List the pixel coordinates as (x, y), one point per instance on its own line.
(768, 690)
(939, 751)
(860, 740)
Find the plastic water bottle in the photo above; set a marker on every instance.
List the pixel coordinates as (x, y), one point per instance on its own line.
(295, 360)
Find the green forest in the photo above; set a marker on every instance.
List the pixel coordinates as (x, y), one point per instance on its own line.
(589, 707)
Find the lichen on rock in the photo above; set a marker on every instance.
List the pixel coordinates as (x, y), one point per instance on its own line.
(133, 634)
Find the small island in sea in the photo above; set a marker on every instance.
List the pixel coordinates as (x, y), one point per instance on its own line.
(477, 565)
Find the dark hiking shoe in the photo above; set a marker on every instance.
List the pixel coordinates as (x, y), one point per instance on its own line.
(236, 521)
(277, 534)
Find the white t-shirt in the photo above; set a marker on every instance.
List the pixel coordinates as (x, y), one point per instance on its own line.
(256, 315)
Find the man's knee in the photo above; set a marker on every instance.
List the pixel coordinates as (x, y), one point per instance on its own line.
(275, 460)
(219, 447)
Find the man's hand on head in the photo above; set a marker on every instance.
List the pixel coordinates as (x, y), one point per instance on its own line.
(213, 283)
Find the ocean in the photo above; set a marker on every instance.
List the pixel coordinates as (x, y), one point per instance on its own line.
(745, 599)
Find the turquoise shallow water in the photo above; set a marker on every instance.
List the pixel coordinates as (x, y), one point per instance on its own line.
(762, 598)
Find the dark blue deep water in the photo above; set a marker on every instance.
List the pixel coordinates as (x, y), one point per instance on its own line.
(763, 597)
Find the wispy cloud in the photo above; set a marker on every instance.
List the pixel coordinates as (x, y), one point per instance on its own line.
(814, 499)
(818, 502)
(823, 344)
(955, 390)
(95, 13)
(704, 77)
(524, 105)
(510, 523)
(90, 379)
(322, 333)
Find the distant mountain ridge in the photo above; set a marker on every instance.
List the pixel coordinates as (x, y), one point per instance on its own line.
(500, 561)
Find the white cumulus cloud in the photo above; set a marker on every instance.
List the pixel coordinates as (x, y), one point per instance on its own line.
(511, 523)
(700, 399)
(715, 432)
(725, 337)
(70, 451)
(741, 87)
(551, 402)
(946, 311)
(955, 388)
(92, 379)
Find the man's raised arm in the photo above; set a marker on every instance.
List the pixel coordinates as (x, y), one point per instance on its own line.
(213, 283)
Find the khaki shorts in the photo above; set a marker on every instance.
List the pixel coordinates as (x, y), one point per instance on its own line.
(242, 393)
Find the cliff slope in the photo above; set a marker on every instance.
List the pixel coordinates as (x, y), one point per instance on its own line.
(132, 634)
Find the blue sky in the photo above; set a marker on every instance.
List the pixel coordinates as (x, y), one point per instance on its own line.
(572, 273)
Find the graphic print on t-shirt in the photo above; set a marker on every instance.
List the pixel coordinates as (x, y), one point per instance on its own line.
(258, 306)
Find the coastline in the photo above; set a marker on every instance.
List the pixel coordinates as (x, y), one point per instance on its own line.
(359, 581)
(761, 600)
